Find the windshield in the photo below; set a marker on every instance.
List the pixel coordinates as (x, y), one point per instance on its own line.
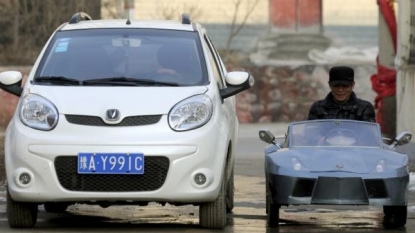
(338, 133)
(120, 55)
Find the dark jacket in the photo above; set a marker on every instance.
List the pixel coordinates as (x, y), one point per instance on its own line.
(353, 109)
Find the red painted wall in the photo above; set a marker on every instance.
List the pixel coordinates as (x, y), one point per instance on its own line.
(295, 14)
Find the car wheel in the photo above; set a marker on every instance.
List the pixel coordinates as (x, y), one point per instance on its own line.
(230, 190)
(55, 207)
(21, 214)
(213, 214)
(273, 211)
(394, 216)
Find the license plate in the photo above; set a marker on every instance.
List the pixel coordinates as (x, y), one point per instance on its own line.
(110, 163)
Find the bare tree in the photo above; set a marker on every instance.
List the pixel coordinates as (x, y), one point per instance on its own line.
(235, 27)
(26, 25)
(111, 8)
(173, 10)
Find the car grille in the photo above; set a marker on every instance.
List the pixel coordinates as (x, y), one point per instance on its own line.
(375, 188)
(127, 121)
(156, 168)
(339, 191)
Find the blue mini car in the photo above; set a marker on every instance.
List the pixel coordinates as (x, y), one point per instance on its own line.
(336, 162)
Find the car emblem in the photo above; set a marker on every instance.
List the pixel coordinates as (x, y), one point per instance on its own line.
(112, 115)
(339, 165)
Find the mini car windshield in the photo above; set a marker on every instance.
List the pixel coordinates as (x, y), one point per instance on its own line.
(168, 57)
(334, 133)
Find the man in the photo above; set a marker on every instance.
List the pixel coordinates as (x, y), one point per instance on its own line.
(341, 102)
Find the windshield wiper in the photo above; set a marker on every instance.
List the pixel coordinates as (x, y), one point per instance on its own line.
(124, 81)
(58, 79)
(128, 81)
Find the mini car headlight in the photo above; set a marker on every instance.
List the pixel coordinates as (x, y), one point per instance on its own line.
(380, 167)
(38, 113)
(191, 113)
(296, 164)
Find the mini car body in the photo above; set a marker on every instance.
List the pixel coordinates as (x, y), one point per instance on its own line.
(118, 112)
(336, 162)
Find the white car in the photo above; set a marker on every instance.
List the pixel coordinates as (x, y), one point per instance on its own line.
(119, 112)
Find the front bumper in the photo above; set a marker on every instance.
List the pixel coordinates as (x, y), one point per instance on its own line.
(338, 190)
(172, 160)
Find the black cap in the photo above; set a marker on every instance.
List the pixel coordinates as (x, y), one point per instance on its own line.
(341, 75)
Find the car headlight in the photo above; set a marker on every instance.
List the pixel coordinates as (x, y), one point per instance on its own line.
(38, 113)
(191, 113)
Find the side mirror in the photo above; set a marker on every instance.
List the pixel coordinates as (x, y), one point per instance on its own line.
(267, 136)
(11, 82)
(402, 139)
(237, 81)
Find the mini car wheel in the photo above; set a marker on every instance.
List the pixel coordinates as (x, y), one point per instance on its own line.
(394, 216)
(273, 211)
(266, 201)
(55, 207)
(230, 193)
(21, 214)
(213, 214)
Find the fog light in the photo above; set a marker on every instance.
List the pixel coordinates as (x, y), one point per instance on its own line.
(200, 178)
(24, 178)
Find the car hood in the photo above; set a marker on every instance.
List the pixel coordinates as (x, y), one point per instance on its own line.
(334, 160)
(93, 100)
(353, 160)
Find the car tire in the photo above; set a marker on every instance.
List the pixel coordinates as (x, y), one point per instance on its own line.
(212, 215)
(21, 214)
(230, 191)
(55, 207)
(394, 216)
(272, 210)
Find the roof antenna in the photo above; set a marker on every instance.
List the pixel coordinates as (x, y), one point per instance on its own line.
(128, 17)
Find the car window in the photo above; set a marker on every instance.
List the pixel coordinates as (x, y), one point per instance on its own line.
(163, 55)
(335, 133)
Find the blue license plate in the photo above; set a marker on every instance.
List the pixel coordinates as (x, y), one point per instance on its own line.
(110, 163)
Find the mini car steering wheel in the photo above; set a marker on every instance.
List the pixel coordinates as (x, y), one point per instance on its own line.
(340, 137)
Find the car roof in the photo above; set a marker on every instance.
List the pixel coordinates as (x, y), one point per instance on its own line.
(122, 23)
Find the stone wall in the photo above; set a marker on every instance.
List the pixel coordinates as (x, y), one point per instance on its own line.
(285, 94)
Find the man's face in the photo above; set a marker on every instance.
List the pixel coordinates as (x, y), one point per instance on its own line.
(341, 93)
